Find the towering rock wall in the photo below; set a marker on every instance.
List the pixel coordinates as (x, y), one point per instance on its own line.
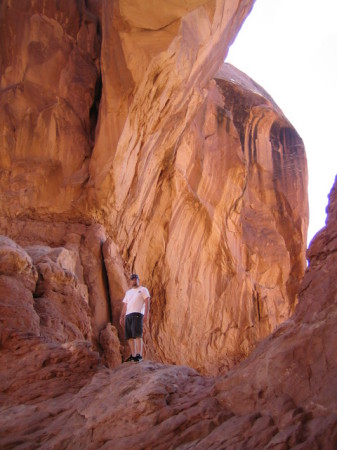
(49, 70)
(110, 116)
(120, 151)
(234, 241)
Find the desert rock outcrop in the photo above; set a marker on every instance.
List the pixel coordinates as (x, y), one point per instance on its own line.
(110, 116)
(282, 396)
(234, 248)
(126, 144)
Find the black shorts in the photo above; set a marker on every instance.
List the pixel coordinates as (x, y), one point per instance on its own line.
(133, 326)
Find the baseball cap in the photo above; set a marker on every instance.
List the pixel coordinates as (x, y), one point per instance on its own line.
(133, 276)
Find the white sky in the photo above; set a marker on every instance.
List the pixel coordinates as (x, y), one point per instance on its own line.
(289, 47)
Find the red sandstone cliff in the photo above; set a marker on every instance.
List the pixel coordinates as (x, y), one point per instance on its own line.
(110, 116)
(125, 147)
(57, 395)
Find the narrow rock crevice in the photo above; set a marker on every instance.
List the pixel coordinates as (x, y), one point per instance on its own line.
(107, 287)
(94, 110)
(90, 14)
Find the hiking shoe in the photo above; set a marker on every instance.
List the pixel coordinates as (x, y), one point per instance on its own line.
(138, 358)
(131, 358)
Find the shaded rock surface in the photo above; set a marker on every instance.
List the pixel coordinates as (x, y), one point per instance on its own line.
(69, 285)
(108, 339)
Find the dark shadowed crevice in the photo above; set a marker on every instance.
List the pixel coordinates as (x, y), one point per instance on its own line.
(94, 110)
(106, 285)
(90, 14)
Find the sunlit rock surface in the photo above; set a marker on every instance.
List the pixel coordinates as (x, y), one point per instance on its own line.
(230, 256)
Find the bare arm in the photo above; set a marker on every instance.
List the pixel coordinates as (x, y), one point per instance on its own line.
(121, 320)
(147, 309)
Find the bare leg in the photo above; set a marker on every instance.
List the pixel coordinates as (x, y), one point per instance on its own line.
(139, 346)
(132, 345)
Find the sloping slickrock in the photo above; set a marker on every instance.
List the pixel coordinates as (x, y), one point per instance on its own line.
(33, 370)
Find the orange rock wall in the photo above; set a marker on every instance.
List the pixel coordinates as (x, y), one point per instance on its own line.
(69, 260)
(110, 116)
(235, 234)
(122, 148)
(49, 70)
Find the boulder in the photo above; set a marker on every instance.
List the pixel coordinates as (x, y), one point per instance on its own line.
(110, 343)
(18, 277)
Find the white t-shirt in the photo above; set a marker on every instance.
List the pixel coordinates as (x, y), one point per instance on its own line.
(135, 300)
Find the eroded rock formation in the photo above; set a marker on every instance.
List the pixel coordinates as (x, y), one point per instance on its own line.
(236, 220)
(282, 396)
(125, 147)
(110, 116)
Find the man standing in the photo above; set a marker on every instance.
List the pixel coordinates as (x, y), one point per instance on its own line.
(136, 308)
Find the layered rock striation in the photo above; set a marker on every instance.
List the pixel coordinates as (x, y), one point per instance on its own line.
(234, 249)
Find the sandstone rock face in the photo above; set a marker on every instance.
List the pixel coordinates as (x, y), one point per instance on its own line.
(49, 70)
(18, 279)
(297, 364)
(110, 116)
(282, 396)
(109, 341)
(44, 327)
(70, 287)
(236, 224)
(120, 151)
